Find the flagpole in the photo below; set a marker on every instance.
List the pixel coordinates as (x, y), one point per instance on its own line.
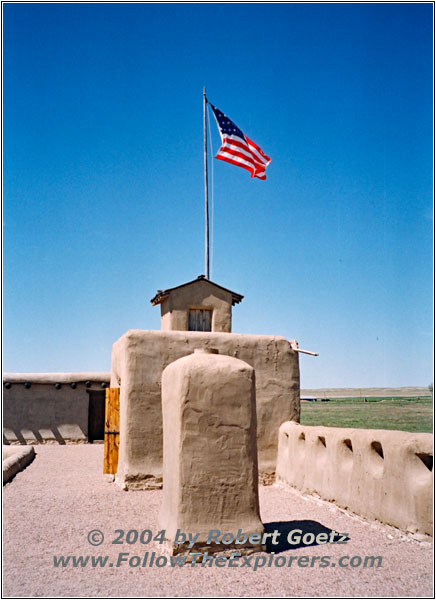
(206, 190)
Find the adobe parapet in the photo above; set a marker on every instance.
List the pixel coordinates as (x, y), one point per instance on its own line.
(377, 474)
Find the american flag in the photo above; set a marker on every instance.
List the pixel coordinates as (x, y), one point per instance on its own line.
(237, 149)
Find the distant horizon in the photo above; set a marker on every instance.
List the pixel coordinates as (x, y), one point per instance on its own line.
(94, 374)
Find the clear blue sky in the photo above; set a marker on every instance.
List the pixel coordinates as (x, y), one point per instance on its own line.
(103, 178)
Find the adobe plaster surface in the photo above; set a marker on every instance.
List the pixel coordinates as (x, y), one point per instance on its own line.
(45, 408)
(378, 474)
(210, 455)
(199, 294)
(138, 360)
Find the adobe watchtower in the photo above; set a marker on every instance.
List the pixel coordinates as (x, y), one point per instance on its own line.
(199, 305)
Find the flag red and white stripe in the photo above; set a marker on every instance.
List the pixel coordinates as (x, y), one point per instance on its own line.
(238, 149)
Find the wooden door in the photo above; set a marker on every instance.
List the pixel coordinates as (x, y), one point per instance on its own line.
(111, 430)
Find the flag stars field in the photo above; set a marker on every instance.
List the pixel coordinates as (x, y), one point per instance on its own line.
(237, 149)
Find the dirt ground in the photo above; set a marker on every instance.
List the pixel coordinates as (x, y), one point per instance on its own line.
(50, 508)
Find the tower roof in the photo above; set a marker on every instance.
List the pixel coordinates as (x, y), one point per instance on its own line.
(162, 295)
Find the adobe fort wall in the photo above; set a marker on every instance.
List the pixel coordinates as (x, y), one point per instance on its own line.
(48, 407)
(138, 360)
(378, 474)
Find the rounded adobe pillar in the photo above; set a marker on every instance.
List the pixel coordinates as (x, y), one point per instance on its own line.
(210, 475)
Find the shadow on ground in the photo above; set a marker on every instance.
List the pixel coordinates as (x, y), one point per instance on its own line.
(300, 529)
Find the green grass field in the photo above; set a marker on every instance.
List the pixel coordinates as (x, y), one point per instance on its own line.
(405, 414)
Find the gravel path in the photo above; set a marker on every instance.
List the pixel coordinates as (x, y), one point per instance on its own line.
(50, 507)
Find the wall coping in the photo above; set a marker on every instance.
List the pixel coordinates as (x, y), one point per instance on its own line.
(56, 377)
